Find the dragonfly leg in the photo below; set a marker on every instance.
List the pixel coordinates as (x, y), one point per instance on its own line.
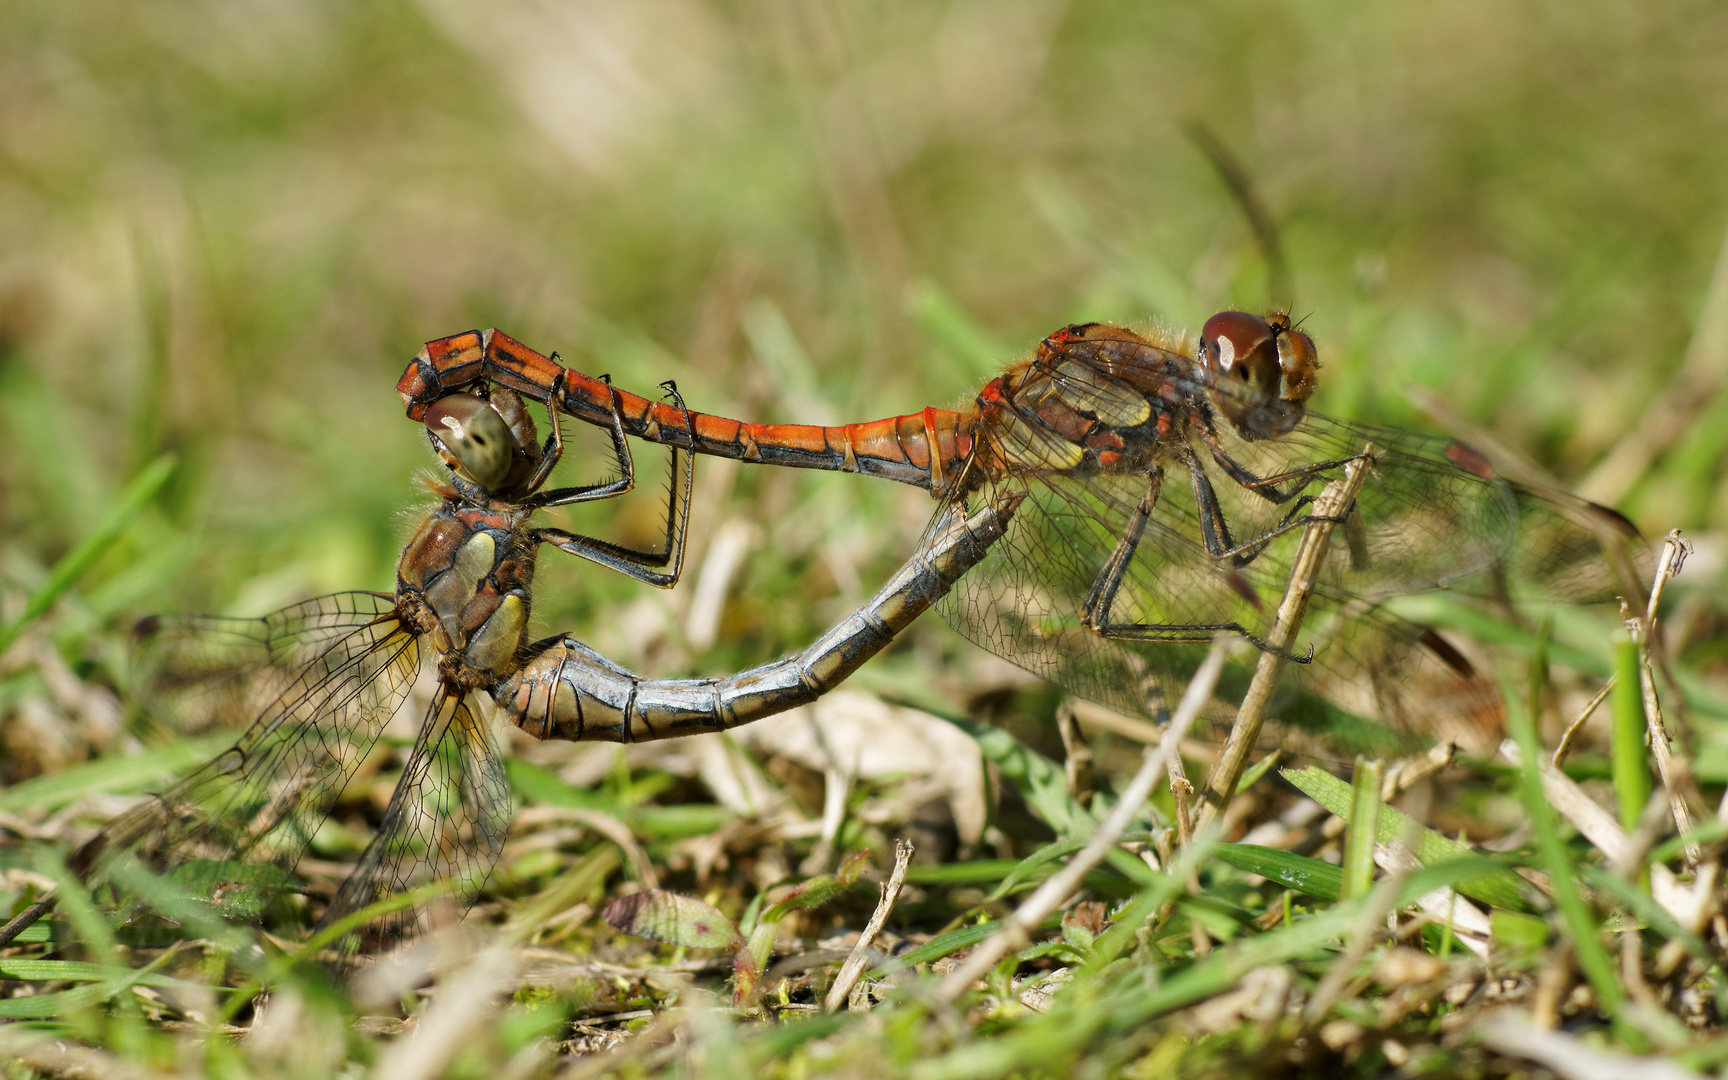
(1245, 553)
(1095, 610)
(643, 565)
(1212, 524)
(1267, 487)
(554, 449)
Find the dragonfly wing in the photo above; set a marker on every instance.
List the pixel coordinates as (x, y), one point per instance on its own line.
(260, 800)
(1025, 602)
(201, 672)
(446, 821)
(1435, 513)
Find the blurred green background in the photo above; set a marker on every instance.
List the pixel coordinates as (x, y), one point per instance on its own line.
(226, 226)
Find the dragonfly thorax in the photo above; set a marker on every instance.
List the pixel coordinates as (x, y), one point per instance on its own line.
(464, 579)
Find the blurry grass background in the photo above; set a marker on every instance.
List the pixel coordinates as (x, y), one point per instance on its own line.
(226, 226)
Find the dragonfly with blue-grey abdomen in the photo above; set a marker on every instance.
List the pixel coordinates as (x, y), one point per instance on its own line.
(338, 668)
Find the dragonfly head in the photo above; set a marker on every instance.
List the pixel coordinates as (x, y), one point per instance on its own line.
(1261, 371)
(489, 442)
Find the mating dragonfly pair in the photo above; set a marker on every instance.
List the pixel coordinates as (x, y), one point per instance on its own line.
(1054, 544)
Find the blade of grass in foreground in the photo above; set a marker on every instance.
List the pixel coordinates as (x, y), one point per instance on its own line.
(1362, 828)
(1574, 915)
(76, 562)
(1495, 886)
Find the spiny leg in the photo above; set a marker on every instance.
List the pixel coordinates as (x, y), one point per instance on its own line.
(637, 563)
(554, 449)
(1267, 486)
(1213, 526)
(1101, 599)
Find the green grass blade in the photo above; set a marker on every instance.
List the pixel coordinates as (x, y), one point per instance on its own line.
(1574, 914)
(1363, 828)
(1311, 877)
(1496, 886)
(75, 563)
(1629, 762)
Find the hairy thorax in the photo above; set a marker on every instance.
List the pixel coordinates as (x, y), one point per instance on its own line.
(463, 580)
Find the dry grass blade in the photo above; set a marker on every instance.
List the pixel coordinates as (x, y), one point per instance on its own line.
(1333, 503)
(860, 955)
(464, 1008)
(1050, 895)
(1571, 1057)
(1677, 778)
(1599, 827)
(1564, 747)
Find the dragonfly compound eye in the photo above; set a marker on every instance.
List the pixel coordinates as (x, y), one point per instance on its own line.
(1235, 343)
(1246, 358)
(1297, 358)
(473, 439)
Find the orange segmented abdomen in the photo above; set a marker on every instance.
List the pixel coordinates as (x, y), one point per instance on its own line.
(896, 448)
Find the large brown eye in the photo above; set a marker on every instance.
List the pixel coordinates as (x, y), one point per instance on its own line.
(1238, 344)
(1297, 357)
(1262, 370)
(474, 436)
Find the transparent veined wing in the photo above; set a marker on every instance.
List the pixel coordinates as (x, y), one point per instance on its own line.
(446, 822)
(340, 668)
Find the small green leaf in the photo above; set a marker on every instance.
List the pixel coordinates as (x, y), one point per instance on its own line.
(681, 920)
(851, 866)
(238, 890)
(1497, 887)
(1518, 934)
(1023, 872)
(1311, 877)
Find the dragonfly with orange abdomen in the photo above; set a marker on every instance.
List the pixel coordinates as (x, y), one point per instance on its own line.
(1105, 582)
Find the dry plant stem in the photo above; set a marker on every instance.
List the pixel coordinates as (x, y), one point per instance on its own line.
(1077, 755)
(1565, 1054)
(1412, 771)
(1632, 969)
(1094, 715)
(1050, 895)
(1676, 776)
(1470, 926)
(1551, 987)
(1565, 747)
(1180, 790)
(465, 1006)
(860, 955)
(1600, 828)
(1335, 501)
(617, 832)
(25, 919)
